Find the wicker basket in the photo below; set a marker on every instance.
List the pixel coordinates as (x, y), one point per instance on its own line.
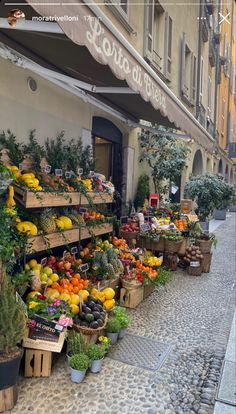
(195, 270)
(172, 246)
(159, 245)
(183, 247)
(90, 331)
(204, 245)
(130, 285)
(129, 235)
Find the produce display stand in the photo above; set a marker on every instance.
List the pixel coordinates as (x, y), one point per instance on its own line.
(43, 242)
(39, 199)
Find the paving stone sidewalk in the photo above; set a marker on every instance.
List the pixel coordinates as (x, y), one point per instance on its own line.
(194, 314)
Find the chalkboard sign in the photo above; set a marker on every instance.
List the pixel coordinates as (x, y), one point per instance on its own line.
(144, 227)
(80, 171)
(68, 174)
(124, 219)
(48, 169)
(84, 267)
(74, 250)
(91, 174)
(83, 210)
(44, 261)
(58, 172)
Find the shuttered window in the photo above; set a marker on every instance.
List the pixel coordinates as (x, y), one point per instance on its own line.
(168, 45)
(201, 79)
(209, 95)
(193, 77)
(148, 29)
(223, 117)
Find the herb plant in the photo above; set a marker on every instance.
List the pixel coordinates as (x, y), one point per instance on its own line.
(80, 362)
(95, 351)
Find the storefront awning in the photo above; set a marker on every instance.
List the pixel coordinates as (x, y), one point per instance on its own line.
(104, 59)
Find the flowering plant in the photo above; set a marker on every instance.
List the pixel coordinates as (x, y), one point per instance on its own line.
(51, 309)
(105, 341)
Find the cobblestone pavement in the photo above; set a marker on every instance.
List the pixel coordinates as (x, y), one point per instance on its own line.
(194, 314)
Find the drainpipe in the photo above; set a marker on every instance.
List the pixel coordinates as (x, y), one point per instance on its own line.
(198, 104)
(217, 74)
(228, 98)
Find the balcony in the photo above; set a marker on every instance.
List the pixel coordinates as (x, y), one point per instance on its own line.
(212, 54)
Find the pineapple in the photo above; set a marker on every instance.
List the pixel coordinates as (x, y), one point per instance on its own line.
(110, 271)
(46, 221)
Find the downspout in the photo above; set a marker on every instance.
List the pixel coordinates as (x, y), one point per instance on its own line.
(217, 74)
(228, 98)
(198, 104)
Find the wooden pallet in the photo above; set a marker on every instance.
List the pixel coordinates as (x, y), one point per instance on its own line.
(8, 398)
(97, 231)
(39, 199)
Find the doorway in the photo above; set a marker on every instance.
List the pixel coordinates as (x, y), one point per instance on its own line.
(107, 146)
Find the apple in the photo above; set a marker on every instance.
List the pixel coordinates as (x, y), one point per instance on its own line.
(60, 265)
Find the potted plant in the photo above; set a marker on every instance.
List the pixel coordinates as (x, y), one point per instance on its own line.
(112, 330)
(12, 329)
(232, 207)
(75, 344)
(224, 200)
(205, 190)
(122, 316)
(79, 363)
(96, 354)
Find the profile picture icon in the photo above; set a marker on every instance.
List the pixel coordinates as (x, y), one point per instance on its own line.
(14, 16)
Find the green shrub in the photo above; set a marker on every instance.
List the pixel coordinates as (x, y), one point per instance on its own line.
(113, 326)
(95, 351)
(80, 362)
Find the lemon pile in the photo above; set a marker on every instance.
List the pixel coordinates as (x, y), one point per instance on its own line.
(28, 179)
(45, 273)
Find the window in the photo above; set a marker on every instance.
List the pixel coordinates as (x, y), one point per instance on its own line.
(124, 5)
(187, 71)
(223, 117)
(148, 29)
(193, 80)
(168, 48)
(158, 37)
(209, 95)
(201, 79)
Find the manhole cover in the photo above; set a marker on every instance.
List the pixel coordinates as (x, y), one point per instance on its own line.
(142, 352)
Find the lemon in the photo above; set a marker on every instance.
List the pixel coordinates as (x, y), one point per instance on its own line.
(109, 293)
(74, 309)
(54, 277)
(29, 182)
(36, 182)
(33, 228)
(32, 263)
(47, 270)
(84, 293)
(44, 277)
(65, 296)
(39, 188)
(14, 168)
(74, 300)
(60, 224)
(67, 222)
(33, 294)
(49, 281)
(23, 227)
(37, 267)
(27, 176)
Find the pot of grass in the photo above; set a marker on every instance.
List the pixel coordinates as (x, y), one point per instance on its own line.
(79, 363)
(75, 345)
(96, 354)
(112, 330)
(124, 319)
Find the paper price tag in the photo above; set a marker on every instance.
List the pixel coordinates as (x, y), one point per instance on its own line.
(80, 171)
(44, 261)
(58, 172)
(74, 250)
(68, 174)
(48, 169)
(83, 210)
(84, 267)
(124, 219)
(144, 227)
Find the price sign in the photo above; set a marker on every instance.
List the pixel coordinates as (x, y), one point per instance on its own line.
(124, 219)
(21, 167)
(83, 210)
(80, 171)
(48, 169)
(44, 261)
(58, 172)
(91, 174)
(74, 250)
(68, 174)
(84, 267)
(144, 227)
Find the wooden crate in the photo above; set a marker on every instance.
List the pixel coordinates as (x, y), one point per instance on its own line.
(32, 199)
(40, 243)
(8, 398)
(38, 363)
(130, 298)
(44, 345)
(148, 289)
(97, 231)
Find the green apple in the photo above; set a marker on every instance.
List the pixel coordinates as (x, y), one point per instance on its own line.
(47, 270)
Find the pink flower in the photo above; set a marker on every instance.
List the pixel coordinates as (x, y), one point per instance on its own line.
(56, 302)
(65, 321)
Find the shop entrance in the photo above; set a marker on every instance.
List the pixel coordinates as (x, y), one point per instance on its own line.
(107, 145)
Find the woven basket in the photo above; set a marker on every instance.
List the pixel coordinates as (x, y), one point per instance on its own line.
(195, 270)
(183, 247)
(129, 235)
(90, 331)
(204, 245)
(159, 245)
(172, 246)
(130, 285)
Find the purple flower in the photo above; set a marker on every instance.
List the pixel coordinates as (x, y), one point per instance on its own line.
(51, 309)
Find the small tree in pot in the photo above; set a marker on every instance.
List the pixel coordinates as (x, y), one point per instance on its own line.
(12, 329)
(206, 190)
(223, 202)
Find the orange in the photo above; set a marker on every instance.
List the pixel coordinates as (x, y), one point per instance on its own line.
(77, 276)
(74, 281)
(86, 282)
(55, 285)
(80, 286)
(76, 289)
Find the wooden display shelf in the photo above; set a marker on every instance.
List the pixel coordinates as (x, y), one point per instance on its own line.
(97, 230)
(39, 199)
(40, 243)
(49, 241)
